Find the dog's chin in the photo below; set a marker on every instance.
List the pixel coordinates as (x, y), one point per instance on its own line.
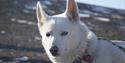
(54, 55)
(59, 55)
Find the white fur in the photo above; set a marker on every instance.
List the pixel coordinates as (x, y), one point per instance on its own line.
(78, 40)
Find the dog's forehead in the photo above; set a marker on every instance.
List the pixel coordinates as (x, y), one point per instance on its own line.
(48, 25)
(57, 23)
(62, 22)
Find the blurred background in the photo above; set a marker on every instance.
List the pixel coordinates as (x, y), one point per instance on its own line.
(19, 36)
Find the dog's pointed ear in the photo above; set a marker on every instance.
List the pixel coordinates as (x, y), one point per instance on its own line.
(72, 10)
(41, 15)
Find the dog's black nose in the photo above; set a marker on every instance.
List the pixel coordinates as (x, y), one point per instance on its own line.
(54, 50)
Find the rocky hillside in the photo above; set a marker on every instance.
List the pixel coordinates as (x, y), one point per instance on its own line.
(105, 22)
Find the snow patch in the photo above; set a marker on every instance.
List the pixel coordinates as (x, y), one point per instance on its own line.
(119, 43)
(22, 21)
(47, 2)
(85, 15)
(2, 31)
(23, 58)
(37, 38)
(117, 4)
(102, 19)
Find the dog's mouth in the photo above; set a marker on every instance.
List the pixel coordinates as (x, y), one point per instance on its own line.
(55, 54)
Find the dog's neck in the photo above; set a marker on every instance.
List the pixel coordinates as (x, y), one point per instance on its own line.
(79, 56)
(79, 52)
(88, 55)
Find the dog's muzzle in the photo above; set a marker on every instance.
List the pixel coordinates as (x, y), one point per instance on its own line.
(54, 51)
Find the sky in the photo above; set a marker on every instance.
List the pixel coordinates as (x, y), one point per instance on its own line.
(117, 4)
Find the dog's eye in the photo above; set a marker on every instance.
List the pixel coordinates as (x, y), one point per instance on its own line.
(64, 33)
(48, 34)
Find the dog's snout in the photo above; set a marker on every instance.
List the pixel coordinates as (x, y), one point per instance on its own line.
(54, 50)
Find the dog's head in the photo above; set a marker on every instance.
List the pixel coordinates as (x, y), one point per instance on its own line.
(60, 33)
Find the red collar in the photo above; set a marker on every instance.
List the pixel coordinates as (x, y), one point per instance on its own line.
(87, 58)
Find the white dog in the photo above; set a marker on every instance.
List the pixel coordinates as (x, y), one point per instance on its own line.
(68, 40)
